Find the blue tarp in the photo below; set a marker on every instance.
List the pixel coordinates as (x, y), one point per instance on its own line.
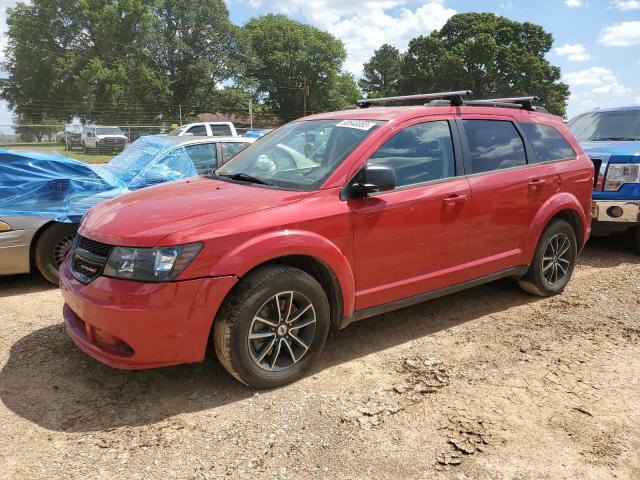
(62, 189)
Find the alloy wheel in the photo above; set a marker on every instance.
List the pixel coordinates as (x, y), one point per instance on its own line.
(282, 331)
(61, 248)
(556, 259)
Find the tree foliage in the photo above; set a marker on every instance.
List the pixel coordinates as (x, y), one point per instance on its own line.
(285, 55)
(112, 61)
(488, 54)
(382, 72)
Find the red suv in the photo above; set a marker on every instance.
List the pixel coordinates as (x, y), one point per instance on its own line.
(329, 219)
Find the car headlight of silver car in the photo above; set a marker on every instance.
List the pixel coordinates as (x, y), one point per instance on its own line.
(161, 264)
(5, 227)
(620, 173)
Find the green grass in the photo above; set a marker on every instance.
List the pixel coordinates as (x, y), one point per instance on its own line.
(51, 148)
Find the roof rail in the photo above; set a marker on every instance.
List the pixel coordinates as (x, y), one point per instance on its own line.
(526, 103)
(454, 97)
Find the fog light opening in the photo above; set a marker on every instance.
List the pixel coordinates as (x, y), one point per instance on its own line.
(615, 212)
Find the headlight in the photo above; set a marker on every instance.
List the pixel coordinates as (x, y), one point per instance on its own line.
(619, 174)
(5, 227)
(161, 264)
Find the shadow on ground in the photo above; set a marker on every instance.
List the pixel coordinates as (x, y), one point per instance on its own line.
(22, 284)
(48, 381)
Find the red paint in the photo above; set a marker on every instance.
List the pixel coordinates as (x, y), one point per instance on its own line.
(383, 248)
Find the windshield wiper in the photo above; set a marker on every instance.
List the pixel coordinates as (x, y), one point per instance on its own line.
(244, 177)
(618, 139)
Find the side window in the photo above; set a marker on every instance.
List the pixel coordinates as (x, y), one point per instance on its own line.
(494, 145)
(198, 130)
(548, 144)
(204, 157)
(419, 153)
(220, 130)
(230, 149)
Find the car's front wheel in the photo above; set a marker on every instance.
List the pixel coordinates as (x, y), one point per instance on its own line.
(51, 248)
(272, 327)
(553, 262)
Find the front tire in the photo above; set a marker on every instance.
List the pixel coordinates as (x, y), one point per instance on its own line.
(53, 245)
(272, 327)
(553, 262)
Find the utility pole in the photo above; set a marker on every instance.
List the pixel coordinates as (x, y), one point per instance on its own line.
(250, 113)
(180, 110)
(305, 94)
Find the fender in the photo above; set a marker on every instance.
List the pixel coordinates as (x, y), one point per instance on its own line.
(554, 205)
(277, 244)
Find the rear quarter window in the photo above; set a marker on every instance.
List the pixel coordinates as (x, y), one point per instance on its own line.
(548, 143)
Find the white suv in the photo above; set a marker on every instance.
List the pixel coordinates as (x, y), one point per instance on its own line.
(206, 129)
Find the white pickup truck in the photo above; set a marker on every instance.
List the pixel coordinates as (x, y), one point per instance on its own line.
(100, 139)
(206, 129)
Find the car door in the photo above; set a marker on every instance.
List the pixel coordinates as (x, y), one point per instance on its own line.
(507, 191)
(411, 240)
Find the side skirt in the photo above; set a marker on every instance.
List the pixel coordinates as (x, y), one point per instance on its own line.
(423, 297)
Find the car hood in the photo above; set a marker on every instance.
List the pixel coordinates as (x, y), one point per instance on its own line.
(118, 137)
(144, 217)
(611, 148)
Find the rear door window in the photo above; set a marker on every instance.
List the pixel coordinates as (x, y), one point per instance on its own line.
(419, 153)
(494, 145)
(230, 149)
(204, 157)
(220, 130)
(548, 144)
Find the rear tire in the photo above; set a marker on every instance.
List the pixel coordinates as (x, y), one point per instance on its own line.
(53, 245)
(272, 327)
(553, 262)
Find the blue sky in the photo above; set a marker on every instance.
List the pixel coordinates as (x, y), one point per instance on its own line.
(596, 42)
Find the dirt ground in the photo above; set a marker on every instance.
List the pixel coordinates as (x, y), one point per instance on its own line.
(487, 384)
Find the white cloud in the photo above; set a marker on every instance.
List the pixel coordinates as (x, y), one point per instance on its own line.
(596, 87)
(626, 5)
(621, 34)
(574, 52)
(574, 3)
(363, 26)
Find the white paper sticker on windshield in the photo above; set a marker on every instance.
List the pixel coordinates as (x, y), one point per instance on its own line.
(358, 124)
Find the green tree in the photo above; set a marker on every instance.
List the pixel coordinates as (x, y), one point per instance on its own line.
(382, 72)
(116, 61)
(286, 55)
(489, 54)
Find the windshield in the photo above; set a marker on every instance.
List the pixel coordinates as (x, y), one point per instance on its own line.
(128, 164)
(611, 125)
(300, 155)
(176, 132)
(108, 131)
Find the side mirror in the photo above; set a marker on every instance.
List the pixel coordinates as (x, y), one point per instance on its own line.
(374, 178)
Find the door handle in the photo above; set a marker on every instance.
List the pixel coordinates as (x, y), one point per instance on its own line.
(537, 183)
(454, 199)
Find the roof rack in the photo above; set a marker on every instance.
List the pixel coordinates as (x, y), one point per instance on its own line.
(454, 97)
(526, 103)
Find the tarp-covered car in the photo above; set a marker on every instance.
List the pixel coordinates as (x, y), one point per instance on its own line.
(43, 197)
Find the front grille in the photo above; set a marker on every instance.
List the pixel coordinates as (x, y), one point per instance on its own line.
(91, 246)
(597, 164)
(89, 258)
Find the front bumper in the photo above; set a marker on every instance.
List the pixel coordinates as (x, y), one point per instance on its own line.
(15, 247)
(135, 325)
(605, 211)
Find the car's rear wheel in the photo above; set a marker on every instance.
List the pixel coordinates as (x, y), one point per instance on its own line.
(553, 262)
(272, 327)
(53, 245)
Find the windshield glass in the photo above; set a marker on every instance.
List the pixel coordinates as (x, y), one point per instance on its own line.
(108, 131)
(176, 132)
(128, 164)
(611, 125)
(300, 155)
